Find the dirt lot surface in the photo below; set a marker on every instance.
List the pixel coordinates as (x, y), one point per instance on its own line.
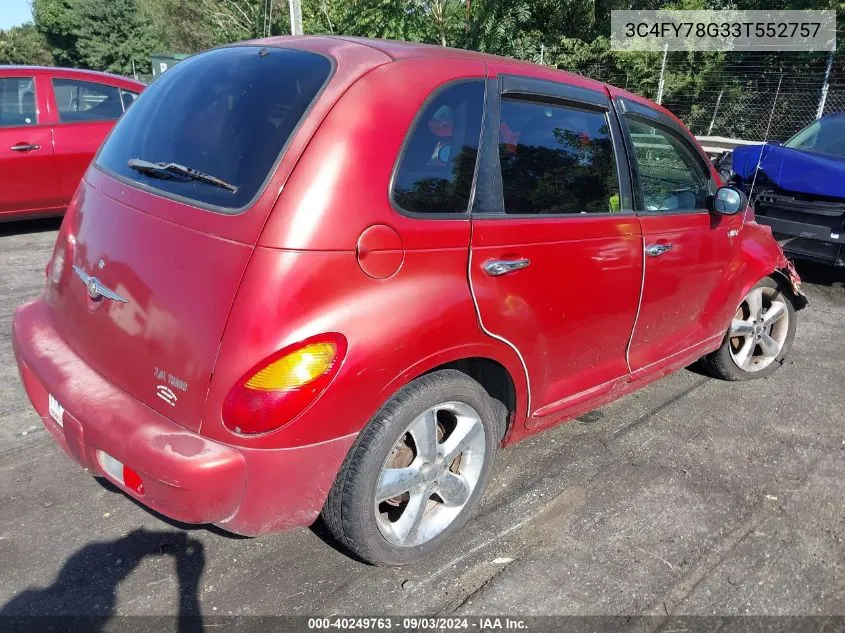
(693, 496)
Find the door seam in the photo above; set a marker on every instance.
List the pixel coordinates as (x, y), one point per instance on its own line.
(491, 334)
(639, 306)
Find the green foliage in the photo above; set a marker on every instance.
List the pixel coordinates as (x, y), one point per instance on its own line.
(24, 45)
(98, 34)
(180, 25)
(58, 21)
(572, 35)
(112, 34)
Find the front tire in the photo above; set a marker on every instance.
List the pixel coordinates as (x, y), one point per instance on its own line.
(417, 470)
(760, 335)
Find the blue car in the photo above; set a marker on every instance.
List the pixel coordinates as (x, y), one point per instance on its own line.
(800, 189)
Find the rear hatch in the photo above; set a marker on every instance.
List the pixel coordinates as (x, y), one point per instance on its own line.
(150, 257)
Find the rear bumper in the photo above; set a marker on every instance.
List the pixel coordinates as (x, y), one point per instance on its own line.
(186, 476)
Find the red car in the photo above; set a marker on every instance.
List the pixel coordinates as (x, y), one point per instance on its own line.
(337, 275)
(52, 120)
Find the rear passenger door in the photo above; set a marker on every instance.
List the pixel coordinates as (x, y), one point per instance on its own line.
(687, 247)
(27, 174)
(85, 113)
(556, 251)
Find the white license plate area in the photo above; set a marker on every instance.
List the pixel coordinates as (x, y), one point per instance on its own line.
(57, 411)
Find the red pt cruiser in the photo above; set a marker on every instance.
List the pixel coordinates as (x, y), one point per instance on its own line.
(336, 275)
(52, 120)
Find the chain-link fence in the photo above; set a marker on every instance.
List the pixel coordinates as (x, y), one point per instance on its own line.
(753, 96)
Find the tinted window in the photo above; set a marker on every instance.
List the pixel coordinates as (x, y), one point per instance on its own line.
(86, 101)
(438, 159)
(17, 102)
(671, 177)
(556, 160)
(227, 113)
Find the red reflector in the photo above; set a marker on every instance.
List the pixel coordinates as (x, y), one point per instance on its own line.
(132, 480)
(120, 472)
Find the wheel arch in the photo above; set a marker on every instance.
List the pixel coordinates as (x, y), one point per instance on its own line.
(500, 375)
(762, 257)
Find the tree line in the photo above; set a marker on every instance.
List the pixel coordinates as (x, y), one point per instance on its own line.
(112, 35)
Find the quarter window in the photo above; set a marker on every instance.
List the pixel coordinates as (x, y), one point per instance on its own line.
(86, 101)
(438, 160)
(556, 160)
(17, 102)
(671, 177)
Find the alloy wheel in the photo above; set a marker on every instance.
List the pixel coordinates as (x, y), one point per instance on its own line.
(430, 474)
(759, 329)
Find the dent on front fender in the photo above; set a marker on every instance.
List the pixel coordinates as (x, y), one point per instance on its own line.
(762, 256)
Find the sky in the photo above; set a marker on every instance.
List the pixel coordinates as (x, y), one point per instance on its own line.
(14, 12)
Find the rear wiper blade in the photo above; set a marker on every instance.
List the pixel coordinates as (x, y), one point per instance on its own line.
(174, 170)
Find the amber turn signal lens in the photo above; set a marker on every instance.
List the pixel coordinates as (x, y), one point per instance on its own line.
(296, 369)
(275, 391)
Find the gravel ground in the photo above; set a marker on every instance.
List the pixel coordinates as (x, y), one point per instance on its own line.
(693, 496)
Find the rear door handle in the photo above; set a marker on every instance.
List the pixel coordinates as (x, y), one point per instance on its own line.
(496, 267)
(656, 250)
(24, 147)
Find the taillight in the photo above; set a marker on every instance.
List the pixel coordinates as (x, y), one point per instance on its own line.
(279, 388)
(120, 472)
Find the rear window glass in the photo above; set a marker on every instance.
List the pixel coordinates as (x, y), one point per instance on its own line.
(17, 101)
(79, 101)
(227, 113)
(556, 160)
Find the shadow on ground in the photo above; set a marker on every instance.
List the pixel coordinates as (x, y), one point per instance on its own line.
(179, 525)
(83, 596)
(822, 274)
(21, 227)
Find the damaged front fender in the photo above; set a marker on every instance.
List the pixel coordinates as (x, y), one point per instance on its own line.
(790, 275)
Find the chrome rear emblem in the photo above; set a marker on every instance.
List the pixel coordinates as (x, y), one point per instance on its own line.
(96, 290)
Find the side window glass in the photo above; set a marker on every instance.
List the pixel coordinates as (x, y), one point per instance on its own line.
(86, 101)
(438, 158)
(672, 178)
(128, 97)
(556, 160)
(17, 102)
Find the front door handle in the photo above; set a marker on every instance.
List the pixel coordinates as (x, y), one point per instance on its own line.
(656, 250)
(24, 147)
(496, 267)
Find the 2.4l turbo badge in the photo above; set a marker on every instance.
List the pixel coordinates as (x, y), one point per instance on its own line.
(168, 380)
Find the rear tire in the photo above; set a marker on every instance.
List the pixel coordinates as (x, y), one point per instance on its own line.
(417, 470)
(760, 335)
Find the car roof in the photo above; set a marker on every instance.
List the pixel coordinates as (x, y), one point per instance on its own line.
(398, 50)
(69, 72)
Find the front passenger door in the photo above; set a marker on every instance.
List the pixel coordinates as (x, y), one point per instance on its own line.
(686, 246)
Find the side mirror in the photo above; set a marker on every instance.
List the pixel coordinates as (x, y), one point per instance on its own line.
(729, 201)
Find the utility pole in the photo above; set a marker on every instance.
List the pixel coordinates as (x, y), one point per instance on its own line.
(295, 17)
(825, 86)
(662, 74)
